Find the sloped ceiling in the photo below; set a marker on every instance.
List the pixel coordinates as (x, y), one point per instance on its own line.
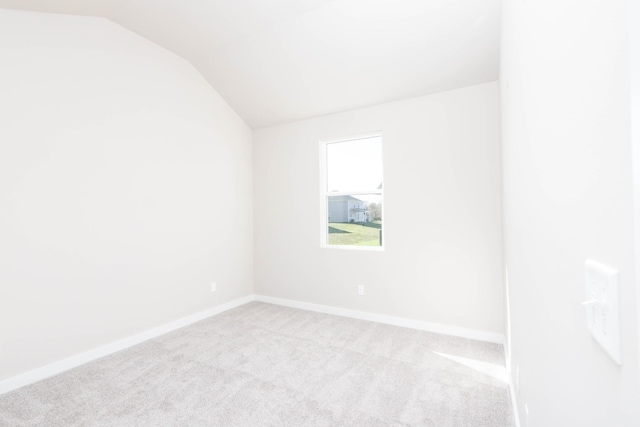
(277, 61)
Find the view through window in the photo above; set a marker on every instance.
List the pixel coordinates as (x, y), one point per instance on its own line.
(353, 192)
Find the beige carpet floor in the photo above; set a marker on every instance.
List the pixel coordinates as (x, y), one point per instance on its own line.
(266, 365)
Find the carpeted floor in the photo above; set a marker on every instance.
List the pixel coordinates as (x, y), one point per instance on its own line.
(266, 365)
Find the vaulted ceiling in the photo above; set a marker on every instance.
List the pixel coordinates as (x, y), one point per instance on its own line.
(276, 61)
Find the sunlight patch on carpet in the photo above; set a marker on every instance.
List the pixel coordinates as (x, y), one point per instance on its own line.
(496, 371)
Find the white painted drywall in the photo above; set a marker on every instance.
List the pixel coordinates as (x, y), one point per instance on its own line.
(568, 196)
(442, 259)
(125, 189)
(634, 49)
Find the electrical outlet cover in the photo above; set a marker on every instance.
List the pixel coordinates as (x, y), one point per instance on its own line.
(603, 307)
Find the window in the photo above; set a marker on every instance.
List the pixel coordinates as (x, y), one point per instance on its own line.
(351, 179)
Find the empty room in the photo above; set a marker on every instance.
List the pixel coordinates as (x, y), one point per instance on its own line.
(320, 213)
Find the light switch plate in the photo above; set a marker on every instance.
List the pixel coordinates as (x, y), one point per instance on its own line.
(603, 307)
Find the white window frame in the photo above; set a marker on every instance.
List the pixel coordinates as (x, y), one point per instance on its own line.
(324, 194)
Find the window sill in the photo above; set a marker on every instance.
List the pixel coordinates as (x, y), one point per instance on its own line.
(355, 248)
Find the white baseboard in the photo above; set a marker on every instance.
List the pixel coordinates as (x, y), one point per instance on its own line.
(491, 337)
(512, 391)
(88, 356)
(82, 358)
(514, 402)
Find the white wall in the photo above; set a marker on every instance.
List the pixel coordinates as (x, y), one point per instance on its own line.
(634, 48)
(442, 259)
(125, 189)
(568, 196)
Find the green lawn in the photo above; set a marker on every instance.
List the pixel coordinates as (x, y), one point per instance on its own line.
(366, 234)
